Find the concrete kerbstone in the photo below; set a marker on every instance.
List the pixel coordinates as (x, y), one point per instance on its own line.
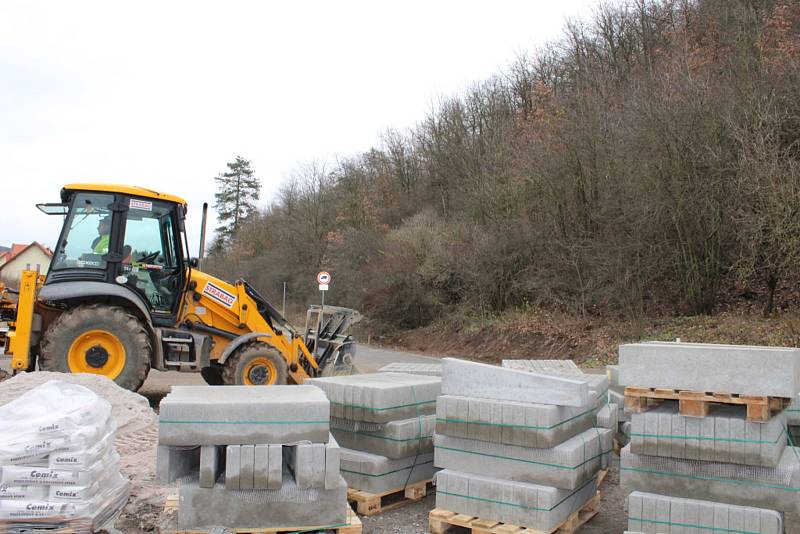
(724, 435)
(395, 439)
(247, 466)
(471, 379)
(773, 488)
(380, 397)
(544, 367)
(746, 370)
(243, 415)
(533, 506)
(233, 467)
(541, 426)
(210, 465)
(314, 465)
(676, 514)
(566, 466)
(427, 369)
(287, 508)
(378, 474)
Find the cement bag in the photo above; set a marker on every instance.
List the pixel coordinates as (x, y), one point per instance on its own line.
(81, 494)
(17, 475)
(29, 493)
(79, 455)
(10, 510)
(54, 409)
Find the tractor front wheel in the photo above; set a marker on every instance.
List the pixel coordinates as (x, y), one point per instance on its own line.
(100, 340)
(255, 364)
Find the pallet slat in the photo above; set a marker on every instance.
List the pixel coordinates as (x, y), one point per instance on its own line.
(697, 403)
(370, 504)
(353, 524)
(440, 522)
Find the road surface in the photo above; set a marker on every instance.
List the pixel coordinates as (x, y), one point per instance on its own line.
(368, 360)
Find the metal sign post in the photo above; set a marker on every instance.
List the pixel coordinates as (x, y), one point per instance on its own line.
(323, 279)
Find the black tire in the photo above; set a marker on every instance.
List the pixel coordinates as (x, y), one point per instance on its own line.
(212, 375)
(235, 370)
(126, 327)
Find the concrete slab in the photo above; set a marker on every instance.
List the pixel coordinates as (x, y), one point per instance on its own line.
(243, 415)
(380, 397)
(511, 423)
(773, 488)
(427, 369)
(173, 463)
(285, 508)
(608, 417)
(670, 516)
(724, 436)
(537, 507)
(567, 466)
(472, 379)
(772, 371)
(378, 474)
(395, 439)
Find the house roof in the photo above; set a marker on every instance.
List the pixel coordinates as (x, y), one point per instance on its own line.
(17, 249)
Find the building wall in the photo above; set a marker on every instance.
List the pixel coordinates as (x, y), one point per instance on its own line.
(31, 259)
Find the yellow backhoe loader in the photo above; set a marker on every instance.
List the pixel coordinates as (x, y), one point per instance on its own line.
(122, 296)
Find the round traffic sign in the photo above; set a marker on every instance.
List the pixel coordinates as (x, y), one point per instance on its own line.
(324, 277)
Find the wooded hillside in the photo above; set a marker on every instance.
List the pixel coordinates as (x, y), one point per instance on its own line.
(646, 163)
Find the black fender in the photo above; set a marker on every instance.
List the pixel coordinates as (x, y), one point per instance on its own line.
(238, 342)
(114, 293)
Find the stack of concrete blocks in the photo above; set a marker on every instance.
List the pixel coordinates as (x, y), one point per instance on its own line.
(251, 457)
(607, 415)
(746, 472)
(427, 369)
(384, 423)
(517, 447)
(616, 396)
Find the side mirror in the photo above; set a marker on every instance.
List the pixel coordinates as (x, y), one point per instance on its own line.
(194, 263)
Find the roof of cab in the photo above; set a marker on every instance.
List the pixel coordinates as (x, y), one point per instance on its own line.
(126, 190)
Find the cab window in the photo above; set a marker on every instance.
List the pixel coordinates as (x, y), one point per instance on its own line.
(86, 233)
(149, 262)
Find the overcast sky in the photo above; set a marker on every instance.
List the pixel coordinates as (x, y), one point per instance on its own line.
(163, 94)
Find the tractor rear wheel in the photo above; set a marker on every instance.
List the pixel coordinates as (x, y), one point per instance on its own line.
(101, 340)
(256, 364)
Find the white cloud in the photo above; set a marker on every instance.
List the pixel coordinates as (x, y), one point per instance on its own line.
(163, 94)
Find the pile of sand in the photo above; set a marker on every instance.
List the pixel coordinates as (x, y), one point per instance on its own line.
(137, 437)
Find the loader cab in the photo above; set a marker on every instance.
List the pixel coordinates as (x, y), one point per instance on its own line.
(126, 236)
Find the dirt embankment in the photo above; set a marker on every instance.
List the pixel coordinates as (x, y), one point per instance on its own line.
(590, 341)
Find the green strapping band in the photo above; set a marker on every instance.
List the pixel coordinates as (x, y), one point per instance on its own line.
(689, 525)
(704, 438)
(534, 462)
(715, 479)
(172, 422)
(374, 436)
(411, 405)
(383, 474)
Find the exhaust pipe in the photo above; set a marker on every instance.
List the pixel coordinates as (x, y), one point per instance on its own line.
(202, 236)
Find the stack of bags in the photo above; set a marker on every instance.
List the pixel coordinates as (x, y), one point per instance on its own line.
(719, 472)
(384, 423)
(58, 465)
(247, 456)
(517, 447)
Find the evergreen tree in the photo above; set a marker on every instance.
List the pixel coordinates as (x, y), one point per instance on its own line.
(236, 198)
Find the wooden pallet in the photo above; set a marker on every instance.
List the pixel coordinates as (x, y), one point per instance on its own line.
(374, 503)
(601, 476)
(352, 525)
(447, 522)
(697, 403)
